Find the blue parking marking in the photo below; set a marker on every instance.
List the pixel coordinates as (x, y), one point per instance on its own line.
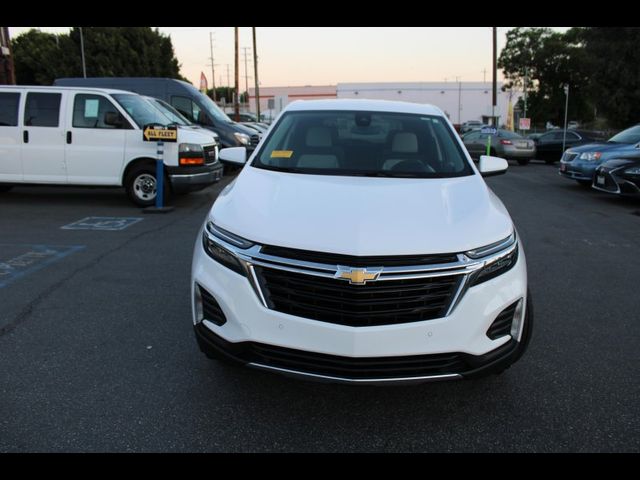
(102, 223)
(16, 261)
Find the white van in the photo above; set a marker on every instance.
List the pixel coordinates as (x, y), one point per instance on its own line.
(93, 136)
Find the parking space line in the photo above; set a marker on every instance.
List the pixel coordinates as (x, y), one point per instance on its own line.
(34, 258)
(102, 223)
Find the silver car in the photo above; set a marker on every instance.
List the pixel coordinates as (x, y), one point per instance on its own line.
(505, 144)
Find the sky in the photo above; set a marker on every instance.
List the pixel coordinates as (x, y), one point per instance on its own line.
(295, 56)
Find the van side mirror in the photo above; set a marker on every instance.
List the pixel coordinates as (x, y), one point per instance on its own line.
(490, 166)
(235, 155)
(113, 119)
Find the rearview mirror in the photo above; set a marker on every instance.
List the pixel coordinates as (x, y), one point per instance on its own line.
(235, 155)
(490, 166)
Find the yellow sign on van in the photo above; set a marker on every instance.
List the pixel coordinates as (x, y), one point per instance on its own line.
(157, 133)
(281, 154)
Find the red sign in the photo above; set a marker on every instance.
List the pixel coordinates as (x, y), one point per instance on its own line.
(525, 124)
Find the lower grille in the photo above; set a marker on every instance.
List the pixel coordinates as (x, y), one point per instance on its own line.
(501, 326)
(211, 309)
(353, 367)
(375, 303)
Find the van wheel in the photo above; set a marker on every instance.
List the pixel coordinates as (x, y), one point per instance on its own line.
(141, 186)
(5, 188)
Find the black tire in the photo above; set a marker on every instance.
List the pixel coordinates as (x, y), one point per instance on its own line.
(584, 183)
(140, 185)
(5, 188)
(523, 161)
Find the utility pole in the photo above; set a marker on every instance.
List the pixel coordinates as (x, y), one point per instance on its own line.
(228, 81)
(255, 72)
(526, 73)
(236, 104)
(566, 108)
(484, 75)
(84, 68)
(459, 97)
(246, 73)
(495, 76)
(213, 74)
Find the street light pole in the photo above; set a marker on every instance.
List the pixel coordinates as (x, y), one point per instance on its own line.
(84, 68)
(566, 108)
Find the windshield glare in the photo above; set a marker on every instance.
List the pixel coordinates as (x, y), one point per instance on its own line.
(359, 143)
(630, 135)
(170, 112)
(142, 111)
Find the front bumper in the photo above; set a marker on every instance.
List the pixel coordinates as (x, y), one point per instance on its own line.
(578, 170)
(250, 325)
(611, 181)
(190, 179)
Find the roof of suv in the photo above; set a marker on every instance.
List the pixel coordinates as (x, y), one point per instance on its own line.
(56, 88)
(364, 105)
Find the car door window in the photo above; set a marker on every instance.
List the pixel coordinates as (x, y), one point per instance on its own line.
(9, 109)
(188, 108)
(472, 137)
(42, 109)
(89, 111)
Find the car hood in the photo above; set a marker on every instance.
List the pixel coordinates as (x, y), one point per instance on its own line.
(601, 147)
(361, 215)
(199, 135)
(621, 162)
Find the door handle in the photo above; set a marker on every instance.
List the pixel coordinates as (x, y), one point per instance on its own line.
(69, 137)
(25, 136)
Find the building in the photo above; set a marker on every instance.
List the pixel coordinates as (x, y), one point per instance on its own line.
(461, 101)
(274, 99)
(7, 73)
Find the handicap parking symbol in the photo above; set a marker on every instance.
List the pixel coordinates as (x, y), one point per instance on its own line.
(102, 223)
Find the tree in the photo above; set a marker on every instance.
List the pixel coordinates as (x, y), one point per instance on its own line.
(549, 60)
(613, 57)
(41, 57)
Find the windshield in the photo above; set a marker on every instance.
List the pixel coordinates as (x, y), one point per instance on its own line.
(358, 143)
(169, 111)
(211, 108)
(630, 135)
(142, 111)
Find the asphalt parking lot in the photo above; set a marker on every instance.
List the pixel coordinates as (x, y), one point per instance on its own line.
(97, 351)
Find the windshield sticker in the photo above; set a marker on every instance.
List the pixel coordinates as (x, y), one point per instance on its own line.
(281, 154)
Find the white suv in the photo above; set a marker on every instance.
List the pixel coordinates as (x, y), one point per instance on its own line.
(360, 244)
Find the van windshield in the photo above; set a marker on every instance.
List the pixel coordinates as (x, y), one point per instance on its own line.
(361, 143)
(142, 111)
(211, 108)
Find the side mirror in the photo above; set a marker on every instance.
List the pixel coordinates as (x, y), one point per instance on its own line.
(235, 155)
(113, 119)
(490, 166)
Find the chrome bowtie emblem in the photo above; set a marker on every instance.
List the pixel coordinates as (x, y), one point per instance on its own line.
(358, 276)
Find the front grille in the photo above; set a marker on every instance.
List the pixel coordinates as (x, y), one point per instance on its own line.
(375, 303)
(211, 309)
(210, 154)
(354, 367)
(352, 261)
(501, 326)
(569, 156)
(609, 183)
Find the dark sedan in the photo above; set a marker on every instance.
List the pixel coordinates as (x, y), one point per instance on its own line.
(549, 145)
(620, 175)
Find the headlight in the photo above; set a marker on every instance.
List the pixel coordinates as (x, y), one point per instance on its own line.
(501, 257)
(590, 156)
(632, 171)
(219, 252)
(242, 138)
(190, 148)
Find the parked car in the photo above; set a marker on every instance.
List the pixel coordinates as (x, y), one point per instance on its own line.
(360, 244)
(187, 99)
(470, 125)
(580, 163)
(178, 119)
(259, 127)
(620, 176)
(94, 137)
(549, 145)
(505, 144)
